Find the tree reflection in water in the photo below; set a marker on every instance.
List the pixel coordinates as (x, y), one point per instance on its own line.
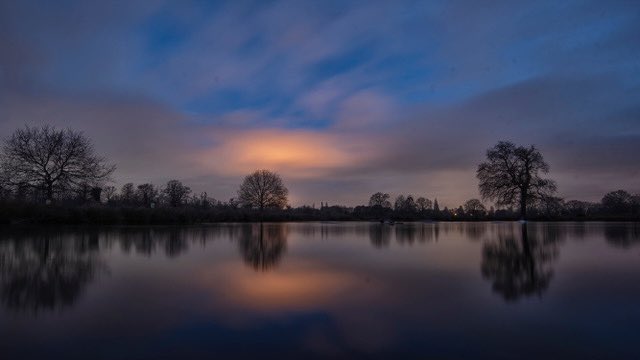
(520, 267)
(622, 235)
(263, 245)
(380, 235)
(46, 271)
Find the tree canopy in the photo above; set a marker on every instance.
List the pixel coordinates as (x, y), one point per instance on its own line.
(512, 175)
(51, 160)
(263, 189)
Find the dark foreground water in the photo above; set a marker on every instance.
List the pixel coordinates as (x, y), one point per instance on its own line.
(326, 290)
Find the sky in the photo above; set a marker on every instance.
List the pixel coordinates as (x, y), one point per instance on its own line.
(342, 98)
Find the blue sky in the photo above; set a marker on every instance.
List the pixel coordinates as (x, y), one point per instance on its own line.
(344, 98)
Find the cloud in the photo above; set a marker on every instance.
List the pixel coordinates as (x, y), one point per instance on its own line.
(343, 99)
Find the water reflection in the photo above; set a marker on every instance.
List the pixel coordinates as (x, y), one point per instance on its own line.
(344, 290)
(520, 266)
(45, 271)
(623, 235)
(263, 245)
(380, 235)
(50, 268)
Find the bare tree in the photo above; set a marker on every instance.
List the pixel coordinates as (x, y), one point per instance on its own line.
(263, 189)
(127, 194)
(176, 192)
(147, 194)
(52, 160)
(380, 199)
(512, 176)
(398, 205)
(109, 193)
(474, 207)
(617, 202)
(423, 204)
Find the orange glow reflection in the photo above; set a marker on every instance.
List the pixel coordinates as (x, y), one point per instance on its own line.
(280, 290)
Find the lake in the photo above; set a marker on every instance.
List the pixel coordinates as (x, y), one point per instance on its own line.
(498, 290)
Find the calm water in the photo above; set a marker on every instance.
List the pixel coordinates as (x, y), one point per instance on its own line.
(339, 290)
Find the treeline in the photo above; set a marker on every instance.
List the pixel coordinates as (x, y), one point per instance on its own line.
(176, 204)
(615, 205)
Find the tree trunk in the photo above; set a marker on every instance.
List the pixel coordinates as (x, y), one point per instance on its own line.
(49, 193)
(523, 205)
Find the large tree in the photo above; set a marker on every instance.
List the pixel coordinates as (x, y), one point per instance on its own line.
(263, 189)
(52, 161)
(512, 175)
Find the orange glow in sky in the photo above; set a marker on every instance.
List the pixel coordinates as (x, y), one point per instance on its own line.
(291, 152)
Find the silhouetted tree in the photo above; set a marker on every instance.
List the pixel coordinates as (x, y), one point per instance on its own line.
(147, 194)
(617, 202)
(511, 175)
(176, 192)
(576, 208)
(109, 193)
(474, 208)
(127, 194)
(423, 204)
(551, 206)
(52, 160)
(380, 199)
(635, 204)
(398, 205)
(263, 189)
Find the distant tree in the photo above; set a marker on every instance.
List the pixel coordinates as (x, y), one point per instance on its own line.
(109, 193)
(176, 192)
(576, 208)
(263, 189)
(551, 206)
(436, 207)
(617, 202)
(147, 194)
(127, 194)
(51, 160)
(398, 205)
(474, 208)
(512, 176)
(423, 204)
(203, 200)
(380, 199)
(635, 204)
(410, 204)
